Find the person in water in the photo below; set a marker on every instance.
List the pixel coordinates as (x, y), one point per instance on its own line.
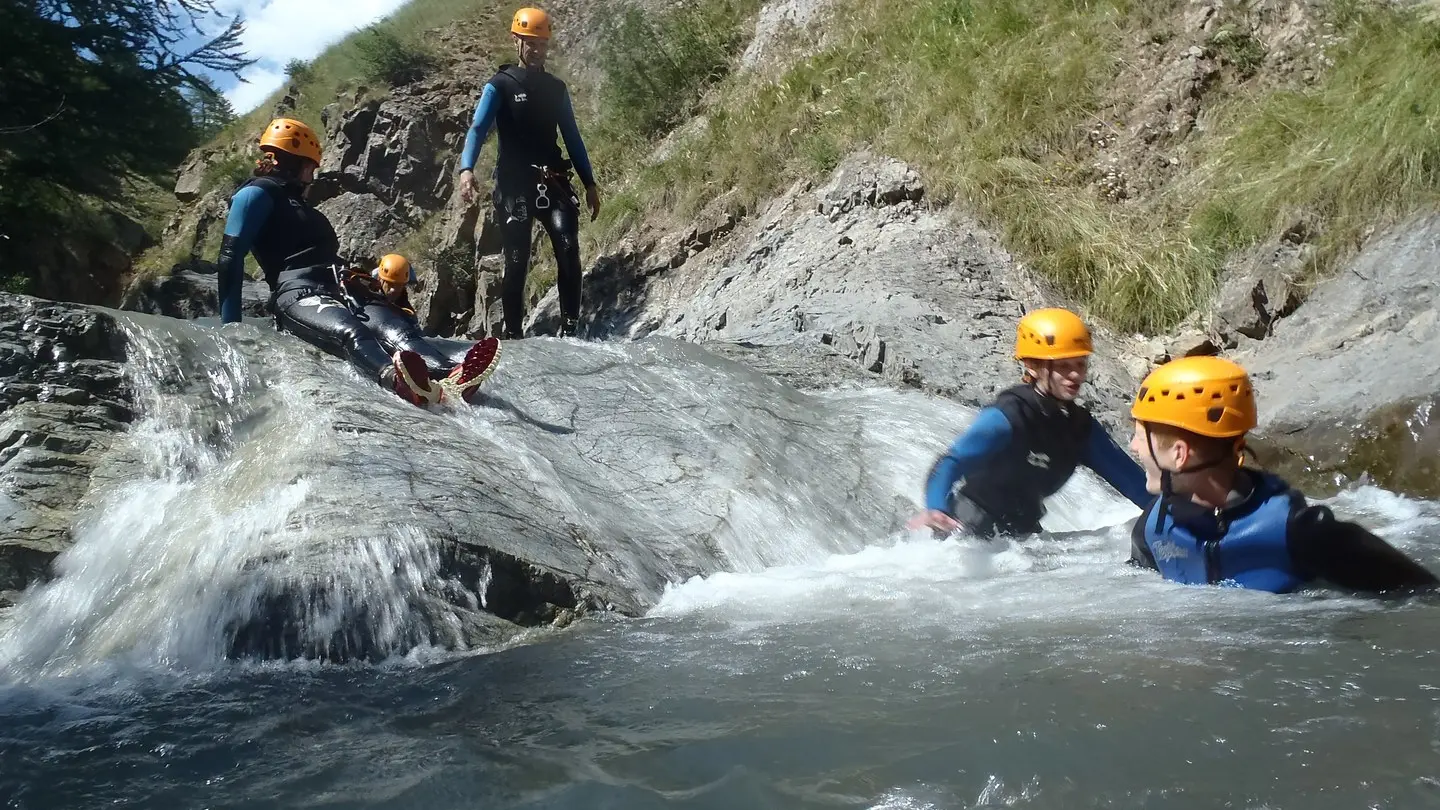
(527, 105)
(381, 298)
(298, 251)
(1024, 447)
(1215, 521)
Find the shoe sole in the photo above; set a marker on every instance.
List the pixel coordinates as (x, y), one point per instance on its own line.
(409, 368)
(485, 355)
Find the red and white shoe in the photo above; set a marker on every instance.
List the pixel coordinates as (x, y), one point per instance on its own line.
(412, 379)
(465, 380)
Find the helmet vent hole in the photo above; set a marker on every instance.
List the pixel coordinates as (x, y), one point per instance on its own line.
(1214, 414)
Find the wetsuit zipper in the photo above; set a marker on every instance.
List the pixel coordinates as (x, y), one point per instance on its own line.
(1212, 549)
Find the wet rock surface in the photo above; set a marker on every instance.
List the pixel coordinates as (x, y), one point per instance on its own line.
(63, 401)
(1346, 382)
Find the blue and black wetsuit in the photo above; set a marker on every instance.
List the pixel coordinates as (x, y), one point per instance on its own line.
(527, 108)
(1267, 538)
(298, 251)
(1018, 452)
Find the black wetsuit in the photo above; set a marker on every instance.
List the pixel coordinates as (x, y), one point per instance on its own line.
(532, 182)
(393, 322)
(297, 249)
(1019, 451)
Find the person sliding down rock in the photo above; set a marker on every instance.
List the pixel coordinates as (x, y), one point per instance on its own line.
(1024, 447)
(381, 298)
(298, 251)
(527, 105)
(1216, 522)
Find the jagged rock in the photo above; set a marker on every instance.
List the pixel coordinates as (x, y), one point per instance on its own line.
(190, 177)
(187, 294)
(1257, 289)
(63, 399)
(784, 21)
(400, 149)
(487, 316)
(863, 179)
(366, 226)
(1356, 360)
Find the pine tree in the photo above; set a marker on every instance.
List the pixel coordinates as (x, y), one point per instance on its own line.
(93, 90)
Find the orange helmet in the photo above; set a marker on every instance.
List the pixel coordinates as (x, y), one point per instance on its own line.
(531, 22)
(394, 269)
(1209, 396)
(1051, 334)
(289, 135)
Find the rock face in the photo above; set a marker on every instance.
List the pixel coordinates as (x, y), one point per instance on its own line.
(915, 297)
(63, 400)
(1346, 383)
(300, 510)
(187, 294)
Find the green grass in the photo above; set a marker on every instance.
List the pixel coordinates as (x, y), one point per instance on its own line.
(990, 100)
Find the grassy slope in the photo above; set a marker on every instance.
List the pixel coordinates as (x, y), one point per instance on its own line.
(991, 101)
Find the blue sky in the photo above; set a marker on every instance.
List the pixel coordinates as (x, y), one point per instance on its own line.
(277, 31)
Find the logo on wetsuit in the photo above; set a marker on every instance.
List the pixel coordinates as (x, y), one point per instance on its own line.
(1040, 460)
(521, 97)
(1168, 550)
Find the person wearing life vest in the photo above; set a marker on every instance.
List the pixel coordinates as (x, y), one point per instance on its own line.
(1217, 522)
(1024, 447)
(297, 249)
(381, 298)
(527, 105)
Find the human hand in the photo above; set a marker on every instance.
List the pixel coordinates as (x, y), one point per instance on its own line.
(592, 199)
(934, 519)
(469, 188)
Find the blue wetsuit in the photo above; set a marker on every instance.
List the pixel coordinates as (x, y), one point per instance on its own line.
(527, 108)
(1267, 538)
(1020, 451)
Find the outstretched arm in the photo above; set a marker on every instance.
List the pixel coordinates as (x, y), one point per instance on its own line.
(987, 435)
(1348, 555)
(249, 209)
(1116, 466)
(480, 127)
(574, 145)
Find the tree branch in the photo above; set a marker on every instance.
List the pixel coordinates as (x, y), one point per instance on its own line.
(42, 122)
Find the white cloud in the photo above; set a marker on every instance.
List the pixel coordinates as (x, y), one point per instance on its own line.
(277, 31)
(258, 85)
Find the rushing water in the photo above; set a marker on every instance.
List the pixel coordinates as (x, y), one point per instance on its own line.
(900, 673)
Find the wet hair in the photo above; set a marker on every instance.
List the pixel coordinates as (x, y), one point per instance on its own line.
(278, 164)
(1208, 449)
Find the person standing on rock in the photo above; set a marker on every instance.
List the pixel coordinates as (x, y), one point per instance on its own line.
(1216, 522)
(297, 249)
(1024, 447)
(527, 106)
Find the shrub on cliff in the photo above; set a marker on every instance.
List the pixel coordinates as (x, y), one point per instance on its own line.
(387, 57)
(657, 65)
